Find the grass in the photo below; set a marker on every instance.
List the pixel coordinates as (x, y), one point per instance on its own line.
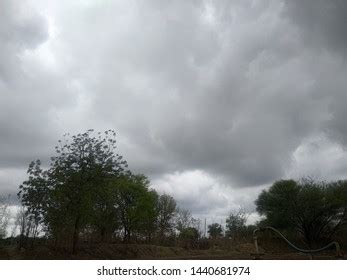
(136, 251)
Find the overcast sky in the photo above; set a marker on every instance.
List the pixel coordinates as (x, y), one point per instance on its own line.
(213, 100)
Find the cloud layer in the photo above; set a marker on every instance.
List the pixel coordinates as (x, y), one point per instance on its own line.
(208, 97)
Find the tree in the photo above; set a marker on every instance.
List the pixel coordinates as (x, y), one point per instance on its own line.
(147, 216)
(34, 196)
(26, 227)
(166, 213)
(4, 216)
(215, 230)
(105, 218)
(314, 209)
(235, 223)
(183, 219)
(189, 233)
(63, 197)
(136, 206)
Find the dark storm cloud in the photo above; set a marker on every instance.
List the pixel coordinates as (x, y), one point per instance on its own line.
(322, 26)
(19, 30)
(240, 112)
(29, 92)
(235, 89)
(322, 23)
(9, 181)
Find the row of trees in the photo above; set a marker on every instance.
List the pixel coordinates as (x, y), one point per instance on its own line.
(89, 191)
(314, 212)
(235, 226)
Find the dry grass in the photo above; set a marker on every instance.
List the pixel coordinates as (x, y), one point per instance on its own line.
(133, 251)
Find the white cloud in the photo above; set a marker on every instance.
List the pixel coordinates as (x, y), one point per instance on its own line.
(207, 196)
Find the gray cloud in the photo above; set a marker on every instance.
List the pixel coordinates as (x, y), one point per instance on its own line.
(321, 23)
(19, 30)
(29, 91)
(234, 89)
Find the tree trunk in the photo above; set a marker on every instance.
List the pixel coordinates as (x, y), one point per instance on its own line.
(149, 237)
(103, 234)
(76, 235)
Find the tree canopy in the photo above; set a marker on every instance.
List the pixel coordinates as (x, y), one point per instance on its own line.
(88, 188)
(314, 209)
(215, 230)
(235, 223)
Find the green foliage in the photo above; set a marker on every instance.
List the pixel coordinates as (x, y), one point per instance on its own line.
(147, 217)
(88, 187)
(279, 203)
(236, 224)
(215, 230)
(166, 213)
(189, 233)
(315, 209)
(105, 218)
(136, 205)
(34, 193)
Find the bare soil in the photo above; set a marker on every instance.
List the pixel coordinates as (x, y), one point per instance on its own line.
(135, 251)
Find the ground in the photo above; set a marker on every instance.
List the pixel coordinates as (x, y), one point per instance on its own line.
(134, 251)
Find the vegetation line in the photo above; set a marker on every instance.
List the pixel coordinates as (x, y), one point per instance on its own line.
(87, 196)
(307, 251)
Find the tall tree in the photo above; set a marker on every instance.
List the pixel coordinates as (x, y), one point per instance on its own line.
(183, 219)
(105, 218)
(34, 194)
(136, 205)
(166, 214)
(4, 216)
(147, 214)
(315, 209)
(235, 223)
(65, 194)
